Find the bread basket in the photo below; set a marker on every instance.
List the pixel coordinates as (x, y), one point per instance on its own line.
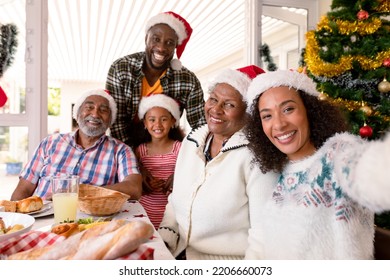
(99, 201)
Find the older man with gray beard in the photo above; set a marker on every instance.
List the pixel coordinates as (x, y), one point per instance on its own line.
(98, 159)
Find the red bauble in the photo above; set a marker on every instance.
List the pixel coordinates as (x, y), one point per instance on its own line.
(362, 15)
(386, 62)
(365, 131)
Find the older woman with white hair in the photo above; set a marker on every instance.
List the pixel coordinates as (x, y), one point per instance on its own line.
(212, 211)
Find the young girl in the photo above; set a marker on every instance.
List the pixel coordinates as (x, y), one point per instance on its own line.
(157, 154)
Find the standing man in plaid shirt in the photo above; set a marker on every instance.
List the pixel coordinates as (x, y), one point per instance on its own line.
(98, 159)
(154, 71)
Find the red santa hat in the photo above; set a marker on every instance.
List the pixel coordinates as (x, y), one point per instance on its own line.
(99, 92)
(3, 97)
(240, 78)
(162, 101)
(251, 70)
(180, 26)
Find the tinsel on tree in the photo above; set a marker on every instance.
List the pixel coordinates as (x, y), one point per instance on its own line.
(348, 56)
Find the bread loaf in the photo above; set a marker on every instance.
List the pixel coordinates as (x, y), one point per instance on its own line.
(2, 226)
(66, 248)
(9, 206)
(127, 239)
(115, 244)
(29, 204)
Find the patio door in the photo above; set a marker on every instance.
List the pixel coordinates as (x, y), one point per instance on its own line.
(23, 119)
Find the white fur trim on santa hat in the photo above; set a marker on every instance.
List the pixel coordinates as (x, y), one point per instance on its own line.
(235, 78)
(291, 79)
(99, 92)
(176, 64)
(170, 20)
(162, 101)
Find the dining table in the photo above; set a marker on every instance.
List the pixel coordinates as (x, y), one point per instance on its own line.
(131, 210)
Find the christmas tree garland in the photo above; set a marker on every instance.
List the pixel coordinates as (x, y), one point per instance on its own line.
(383, 7)
(347, 27)
(319, 67)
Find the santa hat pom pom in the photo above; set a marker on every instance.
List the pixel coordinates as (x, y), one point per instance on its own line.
(3, 97)
(176, 64)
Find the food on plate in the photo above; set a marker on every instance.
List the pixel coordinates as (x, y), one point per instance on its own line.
(29, 204)
(10, 206)
(2, 226)
(105, 241)
(87, 223)
(91, 225)
(14, 228)
(5, 230)
(66, 229)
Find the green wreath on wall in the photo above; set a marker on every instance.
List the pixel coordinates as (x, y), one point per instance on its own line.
(8, 44)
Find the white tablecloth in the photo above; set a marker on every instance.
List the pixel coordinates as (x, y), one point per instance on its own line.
(131, 210)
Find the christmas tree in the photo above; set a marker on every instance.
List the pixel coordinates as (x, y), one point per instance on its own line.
(348, 56)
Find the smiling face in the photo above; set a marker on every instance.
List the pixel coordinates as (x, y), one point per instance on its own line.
(284, 120)
(225, 111)
(94, 116)
(158, 121)
(161, 41)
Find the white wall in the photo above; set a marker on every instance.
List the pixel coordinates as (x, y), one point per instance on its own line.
(279, 44)
(70, 92)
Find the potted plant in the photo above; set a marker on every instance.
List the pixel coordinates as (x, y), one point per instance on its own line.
(13, 166)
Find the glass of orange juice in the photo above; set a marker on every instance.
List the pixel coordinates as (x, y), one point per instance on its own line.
(65, 190)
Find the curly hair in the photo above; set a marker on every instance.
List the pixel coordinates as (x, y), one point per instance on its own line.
(325, 120)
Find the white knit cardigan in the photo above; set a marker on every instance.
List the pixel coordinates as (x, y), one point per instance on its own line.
(213, 211)
(323, 206)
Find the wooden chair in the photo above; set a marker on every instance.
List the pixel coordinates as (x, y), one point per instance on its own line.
(382, 244)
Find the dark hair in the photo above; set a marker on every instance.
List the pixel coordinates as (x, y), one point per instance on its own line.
(175, 133)
(325, 120)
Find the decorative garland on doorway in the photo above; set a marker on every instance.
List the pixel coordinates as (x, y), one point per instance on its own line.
(265, 54)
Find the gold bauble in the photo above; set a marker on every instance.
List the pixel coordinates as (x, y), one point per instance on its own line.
(366, 110)
(323, 96)
(384, 86)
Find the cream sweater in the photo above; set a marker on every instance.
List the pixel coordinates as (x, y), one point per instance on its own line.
(213, 211)
(323, 206)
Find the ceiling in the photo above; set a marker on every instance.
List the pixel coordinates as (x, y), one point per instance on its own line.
(86, 36)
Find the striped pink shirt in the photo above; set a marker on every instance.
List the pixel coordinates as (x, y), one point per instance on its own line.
(161, 167)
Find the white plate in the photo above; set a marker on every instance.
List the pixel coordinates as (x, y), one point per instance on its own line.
(11, 219)
(47, 209)
(44, 214)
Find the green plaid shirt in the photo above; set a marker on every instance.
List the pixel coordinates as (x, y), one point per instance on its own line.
(124, 82)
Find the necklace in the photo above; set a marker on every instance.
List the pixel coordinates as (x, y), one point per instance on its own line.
(208, 144)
